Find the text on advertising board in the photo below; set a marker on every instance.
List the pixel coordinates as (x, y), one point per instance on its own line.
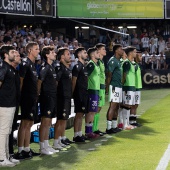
(18, 6)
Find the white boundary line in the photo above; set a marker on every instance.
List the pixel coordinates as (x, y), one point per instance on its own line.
(163, 163)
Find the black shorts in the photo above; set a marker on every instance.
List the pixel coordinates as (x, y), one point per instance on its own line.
(63, 108)
(48, 107)
(28, 108)
(81, 103)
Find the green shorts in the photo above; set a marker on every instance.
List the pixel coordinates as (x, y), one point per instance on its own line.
(101, 97)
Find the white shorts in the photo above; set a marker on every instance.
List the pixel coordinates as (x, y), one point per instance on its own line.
(115, 94)
(129, 97)
(137, 97)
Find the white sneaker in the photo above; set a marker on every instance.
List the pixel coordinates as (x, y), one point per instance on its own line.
(6, 162)
(62, 145)
(44, 151)
(58, 146)
(15, 161)
(52, 150)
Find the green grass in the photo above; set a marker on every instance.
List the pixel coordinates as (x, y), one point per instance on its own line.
(138, 149)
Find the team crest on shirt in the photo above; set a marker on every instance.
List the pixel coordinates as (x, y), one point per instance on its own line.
(83, 108)
(54, 75)
(24, 59)
(64, 114)
(31, 66)
(49, 112)
(31, 114)
(70, 75)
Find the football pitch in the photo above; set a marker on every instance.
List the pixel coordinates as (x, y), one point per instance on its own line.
(138, 149)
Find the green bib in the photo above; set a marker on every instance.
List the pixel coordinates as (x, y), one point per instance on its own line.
(102, 72)
(138, 80)
(94, 77)
(129, 84)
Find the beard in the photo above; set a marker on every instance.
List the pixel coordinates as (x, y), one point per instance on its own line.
(11, 59)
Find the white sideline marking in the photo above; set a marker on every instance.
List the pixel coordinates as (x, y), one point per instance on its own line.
(163, 163)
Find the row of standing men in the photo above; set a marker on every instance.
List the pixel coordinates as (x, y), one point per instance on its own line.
(55, 86)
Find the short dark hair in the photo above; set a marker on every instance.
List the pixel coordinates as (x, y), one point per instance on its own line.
(91, 50)
(115, 47)
(5, 50)
(100, 45)
(60, 52)
(46, 50)
(30, 45)
(79, 49)
(129, 49)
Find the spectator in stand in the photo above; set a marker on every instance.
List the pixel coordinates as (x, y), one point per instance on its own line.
(93, 34)
(158, 33)
(161, 45)
(143, 33)
(55, 44)
(51, 43)
(38, 29)
(75, 44)
(73, 59)
(135, 41)
(146, 62)
(102, 36)
(80, 34)
(61, 41)
(161, 61)
(152, 47)
(22, 52)
(48, 38)
(155, 39)
(133, 34)
(38, 63)
(168, 44)
(154, 61)
(145, 41)
(41, 38)
(143, 28)
(167, 56)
